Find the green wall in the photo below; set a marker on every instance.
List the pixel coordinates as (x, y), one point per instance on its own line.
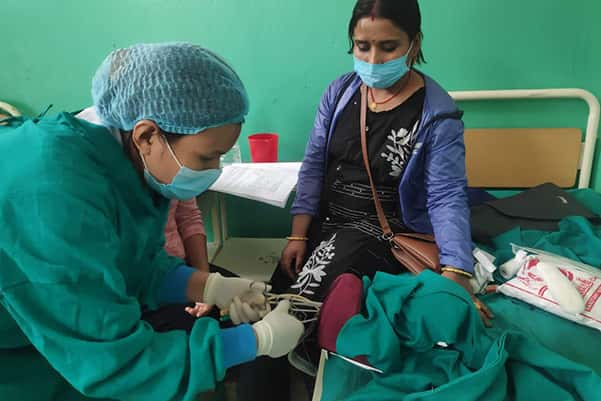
(287, 51)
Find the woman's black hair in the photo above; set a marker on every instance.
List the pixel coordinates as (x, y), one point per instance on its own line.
(403, 13)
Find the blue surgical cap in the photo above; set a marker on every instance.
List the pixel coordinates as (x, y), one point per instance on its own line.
(182, 87)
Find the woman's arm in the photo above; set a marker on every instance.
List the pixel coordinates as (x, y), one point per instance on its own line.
(190, 226)
(196, 252)
(300, 225)
(446, 189)
(310, 176)
(294, 254)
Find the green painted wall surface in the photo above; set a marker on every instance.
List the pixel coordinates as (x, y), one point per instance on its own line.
(287, 51)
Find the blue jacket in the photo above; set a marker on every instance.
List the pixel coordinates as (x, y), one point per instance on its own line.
(433, 188)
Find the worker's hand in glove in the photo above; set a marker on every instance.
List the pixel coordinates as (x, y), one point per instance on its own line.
(278, 333)
(248, 308)
(221, 291)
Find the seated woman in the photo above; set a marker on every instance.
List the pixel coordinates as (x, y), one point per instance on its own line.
(417, 157)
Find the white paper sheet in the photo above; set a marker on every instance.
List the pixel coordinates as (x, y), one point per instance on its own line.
(270, 183)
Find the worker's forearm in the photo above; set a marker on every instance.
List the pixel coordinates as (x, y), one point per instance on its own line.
(239, 345)
(300, 225)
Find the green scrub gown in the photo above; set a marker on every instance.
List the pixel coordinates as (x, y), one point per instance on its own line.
(425, 335)
(81, 247)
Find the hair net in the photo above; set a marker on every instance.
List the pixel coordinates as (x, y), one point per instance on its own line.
(182, 87)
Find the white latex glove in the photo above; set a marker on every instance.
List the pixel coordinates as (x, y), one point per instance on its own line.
(248, 308)
(221, 291)
(278, 333)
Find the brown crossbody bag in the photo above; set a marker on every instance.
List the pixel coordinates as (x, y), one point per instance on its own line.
(416, 252)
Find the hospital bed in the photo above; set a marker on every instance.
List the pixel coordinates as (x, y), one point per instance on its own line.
(509, 158)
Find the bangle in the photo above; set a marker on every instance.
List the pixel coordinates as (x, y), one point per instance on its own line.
(292, 238)
(456, 271)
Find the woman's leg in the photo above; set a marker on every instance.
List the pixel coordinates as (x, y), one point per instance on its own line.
(348, 250)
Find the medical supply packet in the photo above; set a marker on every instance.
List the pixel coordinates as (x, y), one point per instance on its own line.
(529, 286)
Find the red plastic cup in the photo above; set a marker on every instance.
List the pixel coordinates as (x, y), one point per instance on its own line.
(263, 148)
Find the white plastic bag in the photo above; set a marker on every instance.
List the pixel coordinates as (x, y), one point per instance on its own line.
(483, 270)
(530, 286)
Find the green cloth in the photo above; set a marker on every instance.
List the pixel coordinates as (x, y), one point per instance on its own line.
(589, 198)
(574, 341)
(404, 319)
(81, 247)
(576, 238)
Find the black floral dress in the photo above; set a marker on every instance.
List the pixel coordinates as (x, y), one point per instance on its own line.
(347, 236)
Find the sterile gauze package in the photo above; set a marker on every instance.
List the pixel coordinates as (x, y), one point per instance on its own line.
(557, 285)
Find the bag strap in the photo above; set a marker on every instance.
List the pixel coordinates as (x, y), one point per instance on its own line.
(388, 234)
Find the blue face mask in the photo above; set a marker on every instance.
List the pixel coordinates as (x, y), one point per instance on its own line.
(186, 184)
(382, 76)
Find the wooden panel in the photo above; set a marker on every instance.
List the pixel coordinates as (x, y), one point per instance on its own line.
(522, 158)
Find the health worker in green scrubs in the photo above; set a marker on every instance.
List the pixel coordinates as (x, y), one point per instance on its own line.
(83, 207)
